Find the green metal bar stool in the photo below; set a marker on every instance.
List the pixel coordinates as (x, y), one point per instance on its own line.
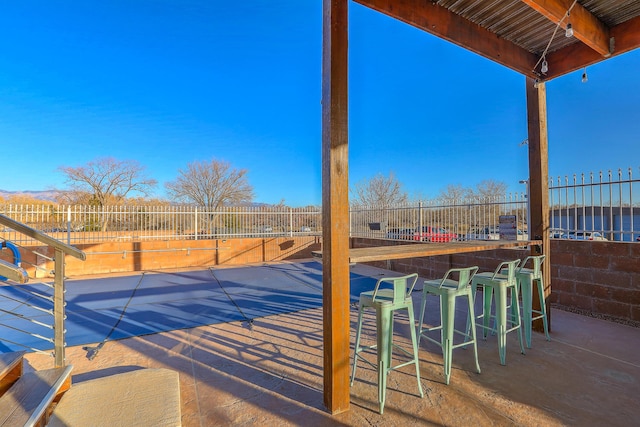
(386, 301)
(449, 289)
(499, 284)
(526, 278)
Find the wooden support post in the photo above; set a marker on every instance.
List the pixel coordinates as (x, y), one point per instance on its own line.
(539, 185)
(335, 205)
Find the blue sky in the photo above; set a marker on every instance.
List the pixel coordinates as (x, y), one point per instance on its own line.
(168, 82)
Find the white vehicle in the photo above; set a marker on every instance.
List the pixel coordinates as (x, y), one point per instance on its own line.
(493, 233)
(558, 233)
(484, 233)
(586, 235)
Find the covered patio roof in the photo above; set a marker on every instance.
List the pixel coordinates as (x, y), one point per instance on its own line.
(528, 36)
(520, 34)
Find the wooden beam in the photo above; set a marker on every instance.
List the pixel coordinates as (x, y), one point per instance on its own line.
(586, 27)
(417, 250)
(335, 205)
(625, 37)
(538, 185)
(439, 21)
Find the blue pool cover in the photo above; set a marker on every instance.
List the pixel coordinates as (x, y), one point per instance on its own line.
(113, 308)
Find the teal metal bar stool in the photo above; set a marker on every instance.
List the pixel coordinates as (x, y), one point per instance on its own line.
(386, 302)
(527, 278)
(499, 283)
(449, 289)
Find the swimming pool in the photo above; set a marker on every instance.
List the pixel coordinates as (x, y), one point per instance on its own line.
(111, 308)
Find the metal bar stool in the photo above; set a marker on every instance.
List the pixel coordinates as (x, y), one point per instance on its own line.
(526, 278)
(500, 283)
(386, 301)
(449, 290)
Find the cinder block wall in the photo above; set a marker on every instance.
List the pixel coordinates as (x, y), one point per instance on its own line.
(123, 257)
(598, 277)
(601, 278)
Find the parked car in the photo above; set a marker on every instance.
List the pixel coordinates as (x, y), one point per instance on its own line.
(401, 234)
(305, 229)
(586, 235)
(484, 233)
(435, 234)
(558, 233)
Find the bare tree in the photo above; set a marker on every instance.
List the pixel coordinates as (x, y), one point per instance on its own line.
(211, 185)
(107, 180)
(379, 191)
(455, 192)
(490, 190)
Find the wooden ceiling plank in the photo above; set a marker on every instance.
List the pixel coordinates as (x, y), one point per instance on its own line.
(586, 27)
(439, 21)
(626, 38)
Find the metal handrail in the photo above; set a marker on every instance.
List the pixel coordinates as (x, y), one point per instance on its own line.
(41, 237)
(61, 249)
(13, 272)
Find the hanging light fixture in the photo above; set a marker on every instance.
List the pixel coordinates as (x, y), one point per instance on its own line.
(542, 61)
(585, 78)
(569, 31)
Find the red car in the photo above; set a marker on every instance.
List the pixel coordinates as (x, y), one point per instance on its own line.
(435, 234)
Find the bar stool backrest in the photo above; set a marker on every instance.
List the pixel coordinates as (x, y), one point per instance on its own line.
(536, 261)
(402, 287)
(510, 268)
(464, 277)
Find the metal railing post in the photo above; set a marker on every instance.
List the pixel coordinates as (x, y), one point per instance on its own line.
(69, 225)
(195, 212)
(58, 309)
(290, 222)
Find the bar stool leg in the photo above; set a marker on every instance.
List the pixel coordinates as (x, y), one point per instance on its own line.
(471, 318)
(517, 320)
(501, 321)
(471, 324)
(357, 346)
(527, 301)
(448, 314)
(414, 342)
(543, 307)
(487, 294)
(384, 334)
(421, 318)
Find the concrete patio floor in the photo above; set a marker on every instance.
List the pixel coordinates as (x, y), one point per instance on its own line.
(270, 373)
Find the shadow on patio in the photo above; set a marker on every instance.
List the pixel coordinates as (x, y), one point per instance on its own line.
(271, 374)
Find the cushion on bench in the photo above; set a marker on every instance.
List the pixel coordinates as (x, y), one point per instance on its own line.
(146, 397)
